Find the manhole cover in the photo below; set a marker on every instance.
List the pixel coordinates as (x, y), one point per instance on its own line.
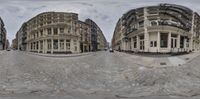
(163, 63)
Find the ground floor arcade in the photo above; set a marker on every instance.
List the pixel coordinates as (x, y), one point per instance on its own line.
(157, 42)
(54, 46)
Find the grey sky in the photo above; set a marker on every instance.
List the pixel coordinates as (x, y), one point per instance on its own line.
(104, 12)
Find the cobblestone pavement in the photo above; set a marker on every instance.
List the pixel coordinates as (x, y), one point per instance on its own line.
(101, 74)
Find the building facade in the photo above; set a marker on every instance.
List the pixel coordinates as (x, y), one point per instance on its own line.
(7, 44)
(55, 32)
(2, 35)
(22, 36)
(15, 42)
(85, 32)
(98, 40)
(163, 28)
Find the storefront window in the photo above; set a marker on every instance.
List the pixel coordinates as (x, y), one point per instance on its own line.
(37, 46)
(151, 44)
(135, 42)
(163, 40)
(68, 44)
(55, 44)
(62, 44)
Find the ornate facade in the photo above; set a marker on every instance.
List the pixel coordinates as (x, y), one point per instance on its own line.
(98, 40)
(163, 28)
(22, 36)
(2, 35)
(55, 32)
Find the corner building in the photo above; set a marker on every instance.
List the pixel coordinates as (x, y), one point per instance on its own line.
(59, 32)
(164, 28)
(53, 32)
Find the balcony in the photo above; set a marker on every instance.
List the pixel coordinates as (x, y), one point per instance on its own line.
(165, 28)
(135, 31)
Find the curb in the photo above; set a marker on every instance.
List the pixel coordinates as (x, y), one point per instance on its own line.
(59, 56)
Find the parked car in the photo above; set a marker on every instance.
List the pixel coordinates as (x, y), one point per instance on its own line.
(111, 50)
(8, 49)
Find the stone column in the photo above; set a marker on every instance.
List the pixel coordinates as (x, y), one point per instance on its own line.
(27, 47)
(43, 50)
(78, 46)
(38, 46)
(158, 42)
(191, 43)
(59, 45)
(52, 46)
(72, 45)
(65, 45)
(138, 42)
(178, 41)
(169, 40)
(131, 44)
(185, 43)
(146, 42)
(146, 34)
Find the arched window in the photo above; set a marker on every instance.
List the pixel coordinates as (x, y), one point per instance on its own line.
(153, 23)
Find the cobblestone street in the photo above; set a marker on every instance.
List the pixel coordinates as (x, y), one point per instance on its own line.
(100, 74)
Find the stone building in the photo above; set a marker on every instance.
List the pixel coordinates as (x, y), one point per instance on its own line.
(7, 44)
(98, 40)
(2, 35)
(15, 42)
(55, 32)
(163, 28)
(22, 36)
(85, 32)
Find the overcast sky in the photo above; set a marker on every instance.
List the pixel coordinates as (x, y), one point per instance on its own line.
(104, 12)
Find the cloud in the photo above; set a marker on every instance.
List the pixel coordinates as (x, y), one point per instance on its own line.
(104, 12)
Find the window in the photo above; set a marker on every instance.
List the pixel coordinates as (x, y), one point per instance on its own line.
(37, 45)
(61, 30)
(62, 44)
(41, 33)
(68, 44)
(153, 23)
(55, 31)
(155, 43)
(34, 45)
(151, 44)
(163, 40)
(182, 42)
(49, 44)
(48, 22)
(55, 44)
(135, 42)
(142, 42)
(141, 24)
(41, 45)
(49, 31)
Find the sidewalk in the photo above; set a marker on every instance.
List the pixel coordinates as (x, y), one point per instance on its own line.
(2, 51)
(154, 61)
(60, 55)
